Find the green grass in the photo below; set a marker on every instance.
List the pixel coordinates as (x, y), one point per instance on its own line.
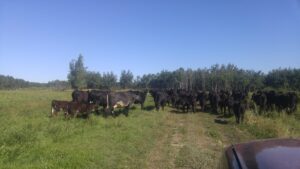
(272, 126)
(30, 139)
(194, 158)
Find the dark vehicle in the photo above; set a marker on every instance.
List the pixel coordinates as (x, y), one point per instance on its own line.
(263, 154)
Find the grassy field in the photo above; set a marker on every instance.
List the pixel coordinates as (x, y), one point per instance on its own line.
(144, 139)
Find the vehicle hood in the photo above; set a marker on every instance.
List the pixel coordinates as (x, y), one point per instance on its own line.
(265, 154)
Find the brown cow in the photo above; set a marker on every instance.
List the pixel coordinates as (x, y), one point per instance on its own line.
(75, 109)
(59, 105)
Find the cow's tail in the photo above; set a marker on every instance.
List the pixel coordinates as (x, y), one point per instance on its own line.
(107, 102)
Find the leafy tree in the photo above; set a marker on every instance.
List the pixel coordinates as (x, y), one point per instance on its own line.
(109, 80)
(77, 73)
(126, 79)
(58, 84)
(93, 80)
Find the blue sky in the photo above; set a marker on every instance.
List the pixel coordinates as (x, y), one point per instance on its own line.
(38, 38)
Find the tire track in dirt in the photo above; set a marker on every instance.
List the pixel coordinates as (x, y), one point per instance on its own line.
(180, 132)
(169, 142)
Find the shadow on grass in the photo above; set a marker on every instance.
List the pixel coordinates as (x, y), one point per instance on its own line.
(179, 112)
(149, 108)
(227, 116)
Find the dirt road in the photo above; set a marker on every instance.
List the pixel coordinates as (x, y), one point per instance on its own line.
(192, 140)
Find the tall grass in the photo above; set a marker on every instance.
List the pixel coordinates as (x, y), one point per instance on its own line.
(272, 125)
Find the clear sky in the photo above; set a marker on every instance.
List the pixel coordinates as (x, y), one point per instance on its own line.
(39, 38)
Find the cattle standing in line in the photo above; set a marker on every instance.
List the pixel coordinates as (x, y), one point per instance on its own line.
(268, 100)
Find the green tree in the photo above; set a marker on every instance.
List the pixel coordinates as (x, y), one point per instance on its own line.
(77, 73)
(126, 79)
(109, 80)
(93, 80)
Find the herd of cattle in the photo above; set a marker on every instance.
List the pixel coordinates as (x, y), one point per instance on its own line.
(85, 102)
(226, 102)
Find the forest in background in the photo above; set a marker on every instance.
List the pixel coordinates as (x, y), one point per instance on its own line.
(216, 77)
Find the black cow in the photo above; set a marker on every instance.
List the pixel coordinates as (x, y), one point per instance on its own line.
(293, 101)
(260, 99)
(140, 97)
(214, 100)
(173, 96)
(99, 97)
(187, 100)
(161, 98)
(202, 97)
(239, 105)
(80, 96)
(224, 101)
(286, 101)
(239, 109)
(271, 99)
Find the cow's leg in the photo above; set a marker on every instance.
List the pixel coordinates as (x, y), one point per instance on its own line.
(142, 106)
(157, 106)
(163, 106)
(126, 110)
(68, 113)
(52, 111)
(113, 112)
(106, 111)
(193, 108)
(236, 117)
(76, 113)
(242, 117)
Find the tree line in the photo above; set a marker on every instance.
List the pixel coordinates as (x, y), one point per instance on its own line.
(217, 77)
(9, 82)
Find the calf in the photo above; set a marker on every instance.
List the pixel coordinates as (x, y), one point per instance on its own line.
(59, 105)
(76, 108)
